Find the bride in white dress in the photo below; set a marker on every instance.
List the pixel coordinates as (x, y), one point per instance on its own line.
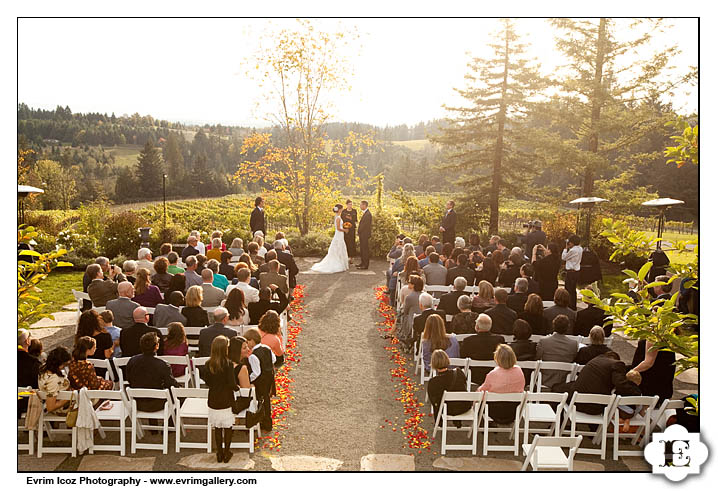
(337, 259)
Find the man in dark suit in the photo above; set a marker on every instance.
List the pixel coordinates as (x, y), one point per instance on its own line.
(517, 300)
(426, 302)
(191, 249)
(364, 232)
(258, 309)
(268, 257)
(207, 335)
(556, 347)
(502, 317)
(589, 317)
(448, 224)
(130, 337)
(123, 307)
(535, 236)
(170, 312)
(461, 269)
(287, 259)
(100, 290)
(448, 301)
(145, 371)
(480, 346)
(257, 219)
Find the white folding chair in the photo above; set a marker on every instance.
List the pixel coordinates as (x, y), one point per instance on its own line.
(463, 363)
(538, 409)
(119, 364)
(643, 422)
(192, 333)
(284, 325)
(196, 363)
(553, 366)
(243, 415)
(118, 411)
(102, 364)
(666, 410)
(164, 331)
(180, 360)
(600, 420)
(546, 453)
(481, 364)
(471, 416)
(513, 431)
(193, 406)
(80, 296)
(44, 423)
(165, 414)
(24, 392)
(534, 367)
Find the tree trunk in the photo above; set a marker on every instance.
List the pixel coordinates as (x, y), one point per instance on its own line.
(499, 152)
(596, 103)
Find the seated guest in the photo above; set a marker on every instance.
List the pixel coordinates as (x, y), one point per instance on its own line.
(410, 307)
(218, 281)
(517, 300)
(130, 337)
(597, 346)
(589, 317)
(165, 314)
(239, 354)
(36, 350)
(122, 307)
(27, 367)
(146, 294)
(130, 269)
(603, 374)
(502, 317)
(546, 262)
(200, 245)
(493, 244)
(191, 249)
(89, 326)
(253, 250)
(225, 268)
(423, 262)
(253, 268)
(146, 371)
(451, 379)
(177, 284)
(217, 234)
(279, 236)
(272, 276)
(462, 269)
(238, 312)
(285, 257)
(411, 268)
(506, 378)
(207, 335)
(191, 277)
(426, 304)
(165, 249)
(173, 258)
(448, 301)
(52, 380)
(485, 299)
(100, 290)
(161, 279)
(144, 260)
(453, 259)
(236, 247)
(265, 303)
(396, 269)
(81, 372)
(527, 271)
(556, 347)
(490, 268)
(107, 320)
(533, 314)
(195, 314)
(503, 247)
(419, 248)
(523, 347)
(435, 337)
(212, 296)
(270, 327)
(561, 300)
(215, 252)
(106, 268)
(465, 320)
(510, 270)
(435, 272)
(480, 346)
(260, 242)
(251, 294)
(474, 243)
(201, 263)
(270, 256)
(176, 345)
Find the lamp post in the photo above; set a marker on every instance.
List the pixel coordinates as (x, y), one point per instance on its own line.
(588, 203)
(164, 201)
(662, 204)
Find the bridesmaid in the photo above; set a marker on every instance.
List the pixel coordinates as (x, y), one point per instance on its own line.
(349, 214)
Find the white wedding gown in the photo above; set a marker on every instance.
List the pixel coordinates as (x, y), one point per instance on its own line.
(337, 259)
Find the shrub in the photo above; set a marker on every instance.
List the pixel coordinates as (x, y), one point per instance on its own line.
(173, 234)
(121, 235)
(79, 244)
(383, 233)
(80, 263)
(312, 244)
(45, 242)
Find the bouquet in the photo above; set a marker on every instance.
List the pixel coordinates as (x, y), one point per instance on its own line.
(347, 225)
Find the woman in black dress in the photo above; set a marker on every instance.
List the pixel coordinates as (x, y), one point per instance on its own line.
(546, 268)
(451, 379)
(533, 314)
(349, 215)
(89, 325)
(657, 370)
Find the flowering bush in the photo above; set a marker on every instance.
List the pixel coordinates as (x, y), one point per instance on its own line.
(121, 235)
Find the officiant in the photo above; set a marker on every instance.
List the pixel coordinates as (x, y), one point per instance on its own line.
(349, 216)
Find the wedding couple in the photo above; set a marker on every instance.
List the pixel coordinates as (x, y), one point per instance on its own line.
(337, 258)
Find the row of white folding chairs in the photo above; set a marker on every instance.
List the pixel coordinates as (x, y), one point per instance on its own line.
(537, 408)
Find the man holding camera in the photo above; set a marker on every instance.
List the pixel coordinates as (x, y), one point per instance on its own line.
(572, 255)
(534, 235)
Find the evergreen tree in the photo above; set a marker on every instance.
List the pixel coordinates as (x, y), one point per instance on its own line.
(484, 136)
(175, 162)
(149, 171)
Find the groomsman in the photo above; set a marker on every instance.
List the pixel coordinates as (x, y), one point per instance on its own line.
(257, 219)
(364, 232)
(448, 224)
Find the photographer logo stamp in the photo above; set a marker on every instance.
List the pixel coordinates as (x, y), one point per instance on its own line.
(676, 453)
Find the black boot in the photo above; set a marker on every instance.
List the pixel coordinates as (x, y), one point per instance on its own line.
(227, 444)
(218, 442)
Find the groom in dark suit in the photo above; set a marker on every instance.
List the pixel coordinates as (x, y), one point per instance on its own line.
(364, 232)
(256, 219)
(448, 224)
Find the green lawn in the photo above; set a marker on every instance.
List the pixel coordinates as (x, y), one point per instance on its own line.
(57, 288)
(125, 155)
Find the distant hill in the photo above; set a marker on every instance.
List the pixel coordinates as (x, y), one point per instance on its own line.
(413, 145)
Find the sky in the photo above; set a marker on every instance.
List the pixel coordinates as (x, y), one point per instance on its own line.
(195, 70)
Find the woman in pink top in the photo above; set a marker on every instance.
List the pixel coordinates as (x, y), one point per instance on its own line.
(269, 326)
(176, 345)
(506, 378)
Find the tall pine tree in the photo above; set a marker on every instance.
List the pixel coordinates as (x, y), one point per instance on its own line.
(149, 172)
(175, 162)
(484, 136)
